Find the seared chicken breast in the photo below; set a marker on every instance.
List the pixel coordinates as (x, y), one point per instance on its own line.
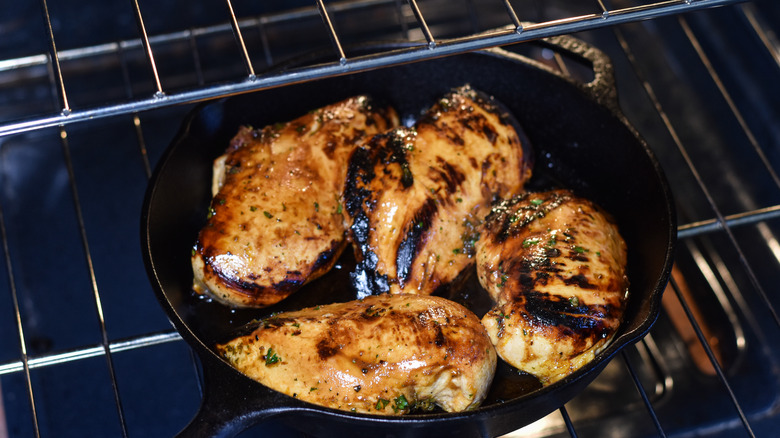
(275, 221)
(415, 197)
(555, 265)
(387, 354)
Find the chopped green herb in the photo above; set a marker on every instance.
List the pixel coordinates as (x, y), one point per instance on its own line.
(252, 208)
(268, 215)
(381, 403)
(537, 201)
(458, 199)
(313, 388)
(316, 206)
(400, 403)
(529, 242)
(338, 209)
(271, 357)
(574, 301)
(580, 249)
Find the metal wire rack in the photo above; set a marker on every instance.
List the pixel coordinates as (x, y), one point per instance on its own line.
(431, 47)
(729, 249)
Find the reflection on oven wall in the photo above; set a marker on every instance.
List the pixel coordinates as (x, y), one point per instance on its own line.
(700, 87)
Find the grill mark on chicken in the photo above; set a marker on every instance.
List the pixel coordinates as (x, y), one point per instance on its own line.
(545, 309)
(324, 258)
(358, 203)
(410, 246)
(555, 266)
(414, 195)
(579, 280)
(439, 340)
(249, 288)
(552, 310)
(445, 172)
(326, 348)
(397, 154)
(507, 217)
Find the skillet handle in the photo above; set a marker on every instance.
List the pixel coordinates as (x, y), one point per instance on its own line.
(231, 403)
(602, 88)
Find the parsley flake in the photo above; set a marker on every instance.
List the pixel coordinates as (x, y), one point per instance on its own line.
(271, 357)
(400, 403)
(529, 242)
(381, 403)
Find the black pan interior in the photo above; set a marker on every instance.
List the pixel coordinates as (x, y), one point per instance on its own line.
(578, 143)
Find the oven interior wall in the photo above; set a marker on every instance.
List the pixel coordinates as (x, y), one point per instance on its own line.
(701, 88)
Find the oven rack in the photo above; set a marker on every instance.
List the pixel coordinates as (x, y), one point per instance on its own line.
(513, 32)
(720, 223)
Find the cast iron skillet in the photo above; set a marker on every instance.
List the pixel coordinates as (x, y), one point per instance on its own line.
(581, 141)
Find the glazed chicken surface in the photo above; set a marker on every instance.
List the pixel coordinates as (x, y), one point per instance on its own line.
(275, 221)
(555, 265)
(386, 354)
(416, 197)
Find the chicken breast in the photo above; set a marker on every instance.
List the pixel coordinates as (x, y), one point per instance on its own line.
(387, 354)
(275, 222)
(415, 197)
(555, 265)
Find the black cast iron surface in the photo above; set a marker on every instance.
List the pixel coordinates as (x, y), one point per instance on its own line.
(581, 141)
